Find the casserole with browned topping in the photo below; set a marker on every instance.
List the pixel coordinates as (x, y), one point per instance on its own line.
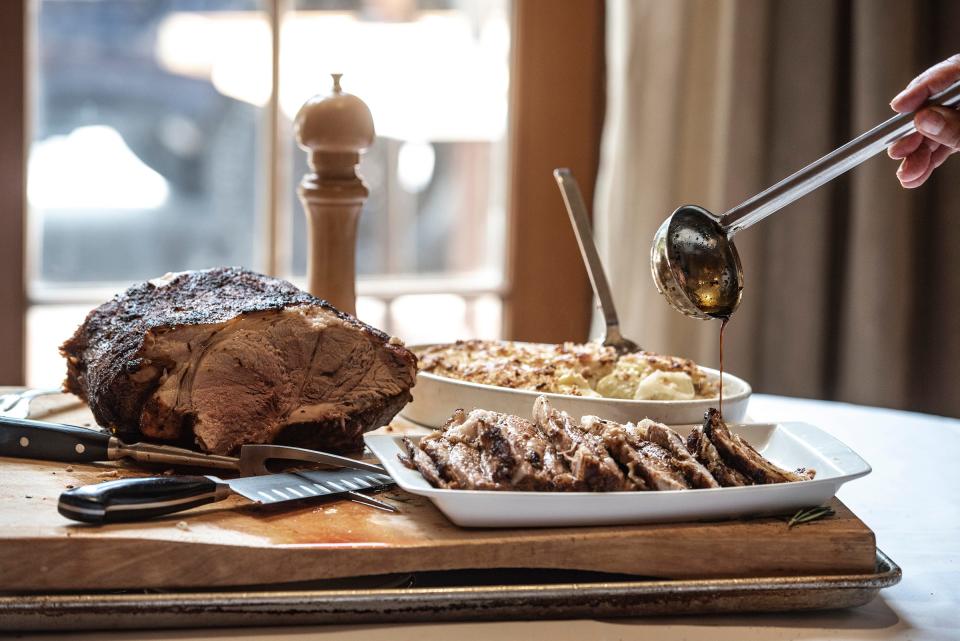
(589, 369)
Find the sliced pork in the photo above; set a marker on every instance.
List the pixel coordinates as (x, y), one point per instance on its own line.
(488, 450)
(588, 459)
(648, 464)
(695, 473)
(454, 455)
(703, 449)
(741, 456)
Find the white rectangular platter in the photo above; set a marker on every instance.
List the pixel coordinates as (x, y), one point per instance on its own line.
(789, 445)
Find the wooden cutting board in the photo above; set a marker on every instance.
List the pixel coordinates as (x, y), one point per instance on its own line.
(235, 543)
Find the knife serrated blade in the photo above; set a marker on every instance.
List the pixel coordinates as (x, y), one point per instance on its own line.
(276, 488)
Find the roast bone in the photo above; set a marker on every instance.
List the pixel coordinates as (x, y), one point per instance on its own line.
(486, 450)
(224, 357)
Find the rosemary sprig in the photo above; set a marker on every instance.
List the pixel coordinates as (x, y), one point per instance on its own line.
(810, 514)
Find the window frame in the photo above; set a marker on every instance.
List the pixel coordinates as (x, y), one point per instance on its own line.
(13, 153)
(557, 102)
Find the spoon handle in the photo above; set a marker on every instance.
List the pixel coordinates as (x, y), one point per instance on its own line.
(829, 167)
(573, 199)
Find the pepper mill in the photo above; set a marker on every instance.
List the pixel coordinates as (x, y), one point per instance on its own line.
(334, 130)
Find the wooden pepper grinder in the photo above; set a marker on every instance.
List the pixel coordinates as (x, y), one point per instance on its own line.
(334, 130)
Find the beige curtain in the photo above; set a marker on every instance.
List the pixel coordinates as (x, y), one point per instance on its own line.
(853, 292)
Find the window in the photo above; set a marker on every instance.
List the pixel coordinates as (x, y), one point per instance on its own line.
(152, 138)
(125, 84)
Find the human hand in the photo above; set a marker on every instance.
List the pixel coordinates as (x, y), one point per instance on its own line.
(938, 128)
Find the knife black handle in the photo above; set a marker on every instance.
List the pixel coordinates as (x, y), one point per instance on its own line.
(140, 498)
(24, 438)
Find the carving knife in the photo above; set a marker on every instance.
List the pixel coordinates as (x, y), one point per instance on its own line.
(25, 438)
(136, 499)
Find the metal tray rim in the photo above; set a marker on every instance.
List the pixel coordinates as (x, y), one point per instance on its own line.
(888, 574)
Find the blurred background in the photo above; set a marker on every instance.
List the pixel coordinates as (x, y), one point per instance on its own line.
(158, 139)
(851, 293)
(150, 141)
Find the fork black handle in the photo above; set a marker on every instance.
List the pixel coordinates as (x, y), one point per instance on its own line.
(24, 438)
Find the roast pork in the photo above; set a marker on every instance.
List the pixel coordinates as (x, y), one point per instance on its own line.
(486, 450)
(219, 358)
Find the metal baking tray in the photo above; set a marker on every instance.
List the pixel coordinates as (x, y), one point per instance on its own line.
(444, 596)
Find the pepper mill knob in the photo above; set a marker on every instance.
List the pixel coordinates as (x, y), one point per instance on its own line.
(334, 130)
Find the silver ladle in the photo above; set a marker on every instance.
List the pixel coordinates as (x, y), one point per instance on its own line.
(694, 262)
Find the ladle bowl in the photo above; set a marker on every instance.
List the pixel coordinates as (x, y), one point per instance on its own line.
(695, 265)
(694, 262)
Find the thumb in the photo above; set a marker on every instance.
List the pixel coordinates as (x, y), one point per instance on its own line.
(940, 124)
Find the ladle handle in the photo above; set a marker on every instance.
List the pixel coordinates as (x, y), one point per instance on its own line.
(573, 199)
(829, 167)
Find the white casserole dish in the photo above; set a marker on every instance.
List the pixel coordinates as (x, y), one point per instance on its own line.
(436, 397)
(789, 445)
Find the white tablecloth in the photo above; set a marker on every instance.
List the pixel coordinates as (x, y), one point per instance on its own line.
(911, 500)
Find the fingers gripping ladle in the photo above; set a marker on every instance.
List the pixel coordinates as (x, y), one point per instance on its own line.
(694, 262)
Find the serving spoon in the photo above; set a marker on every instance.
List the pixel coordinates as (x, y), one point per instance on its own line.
(694, 262)
(577, 210)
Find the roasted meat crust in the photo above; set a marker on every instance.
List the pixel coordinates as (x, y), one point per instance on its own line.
(109, 368)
